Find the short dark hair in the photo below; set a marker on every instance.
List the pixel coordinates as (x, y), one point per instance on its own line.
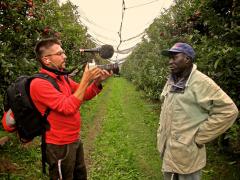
(45, 44)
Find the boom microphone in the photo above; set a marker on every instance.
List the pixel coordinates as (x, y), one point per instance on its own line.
(105, 51)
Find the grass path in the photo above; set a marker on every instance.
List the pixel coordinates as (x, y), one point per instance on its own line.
(124, 147)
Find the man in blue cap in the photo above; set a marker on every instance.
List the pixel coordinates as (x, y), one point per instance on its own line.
(195, 110)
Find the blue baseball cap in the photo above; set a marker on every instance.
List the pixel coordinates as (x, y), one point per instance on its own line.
(180, 48)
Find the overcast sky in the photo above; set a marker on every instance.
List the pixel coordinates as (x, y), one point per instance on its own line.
(104, 17)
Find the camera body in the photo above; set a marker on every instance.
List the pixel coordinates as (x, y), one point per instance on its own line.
(109, 67)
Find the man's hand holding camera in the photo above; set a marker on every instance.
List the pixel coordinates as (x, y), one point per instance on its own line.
(104, 75)
(90, 74)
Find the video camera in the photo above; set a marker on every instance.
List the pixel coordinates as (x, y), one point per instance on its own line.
(109, 67)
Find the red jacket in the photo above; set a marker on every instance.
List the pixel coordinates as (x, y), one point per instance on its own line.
(64, 117)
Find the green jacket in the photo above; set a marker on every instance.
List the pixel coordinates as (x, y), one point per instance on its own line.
(196, 116)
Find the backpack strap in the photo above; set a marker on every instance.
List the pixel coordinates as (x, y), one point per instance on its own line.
(48, 78)
(43, 145)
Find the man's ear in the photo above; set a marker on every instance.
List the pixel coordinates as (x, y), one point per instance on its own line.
(188, 59)
(45, 60)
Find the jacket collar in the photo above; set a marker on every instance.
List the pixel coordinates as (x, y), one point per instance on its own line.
(181, 84)
(194, 68)
(53, 75)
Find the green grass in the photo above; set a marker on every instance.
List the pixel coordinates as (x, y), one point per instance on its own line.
(90, 109)
(21, 162)
(126, 147)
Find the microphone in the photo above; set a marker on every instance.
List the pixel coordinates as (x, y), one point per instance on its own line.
(105, 51)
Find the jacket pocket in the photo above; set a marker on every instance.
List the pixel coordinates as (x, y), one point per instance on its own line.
(183, 150)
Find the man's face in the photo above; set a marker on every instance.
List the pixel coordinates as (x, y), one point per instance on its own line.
(178, 63)
(55, 57)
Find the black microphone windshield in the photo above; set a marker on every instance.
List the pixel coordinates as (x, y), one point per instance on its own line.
(106, 51)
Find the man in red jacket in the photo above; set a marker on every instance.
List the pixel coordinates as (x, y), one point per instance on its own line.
(64, 150)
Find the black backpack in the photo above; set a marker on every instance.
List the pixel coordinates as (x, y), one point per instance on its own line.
(29, 121)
